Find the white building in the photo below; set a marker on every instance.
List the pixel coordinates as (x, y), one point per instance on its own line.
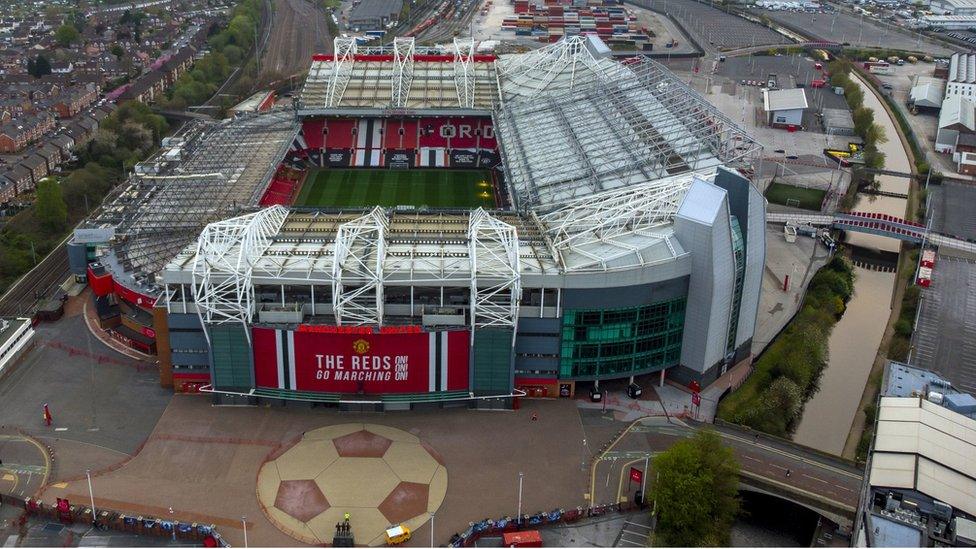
(962, 76)
(957, 117)
(946, 22)
(927, 92)
(953, 7)
(785, 108)
(16, 336)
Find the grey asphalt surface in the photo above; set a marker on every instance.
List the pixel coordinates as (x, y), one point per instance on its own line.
(844, 27)
(945, 336)
(714, 27)
(96, 395)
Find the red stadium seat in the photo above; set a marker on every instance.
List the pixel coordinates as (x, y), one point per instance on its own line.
(312, 132)
(340, 133)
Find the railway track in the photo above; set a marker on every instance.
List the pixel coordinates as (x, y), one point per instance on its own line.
(41, 282)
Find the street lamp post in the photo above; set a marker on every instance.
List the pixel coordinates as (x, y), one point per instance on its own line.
(644, 482)
(519, 516)
(91, 494)
(244, 524)
(432, 529)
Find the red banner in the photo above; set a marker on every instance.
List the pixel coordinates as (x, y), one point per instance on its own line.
(349, 363)
(636, 475)
(368, 363)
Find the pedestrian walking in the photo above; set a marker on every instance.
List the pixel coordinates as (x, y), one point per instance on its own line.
(788, 473)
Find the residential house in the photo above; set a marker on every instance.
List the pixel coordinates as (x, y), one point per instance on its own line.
(37, 167)
(21, 177)
(12, 138)
(75, 101)
(51, 155)
(8, 189)
(64, 143)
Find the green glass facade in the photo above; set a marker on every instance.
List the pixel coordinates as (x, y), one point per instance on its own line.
(739, 254)
(618, 342)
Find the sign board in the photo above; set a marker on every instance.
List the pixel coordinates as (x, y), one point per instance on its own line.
(463, 158)
(337, 158)
(94, 236)
(400, 159)
(636, 475)
(367, 363)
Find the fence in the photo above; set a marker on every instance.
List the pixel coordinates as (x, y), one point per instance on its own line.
(63, 512)
(489, 527)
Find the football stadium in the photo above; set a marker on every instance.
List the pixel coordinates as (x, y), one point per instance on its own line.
(436, 226)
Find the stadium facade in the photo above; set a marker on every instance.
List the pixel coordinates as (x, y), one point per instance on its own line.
(626, 238)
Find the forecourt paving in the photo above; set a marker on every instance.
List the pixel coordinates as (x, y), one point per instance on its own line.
(206, 464)
(381, 476)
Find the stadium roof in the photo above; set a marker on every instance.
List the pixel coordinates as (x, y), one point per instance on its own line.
(622, 125)
(599, 156)
(211, 170)
(399, 77)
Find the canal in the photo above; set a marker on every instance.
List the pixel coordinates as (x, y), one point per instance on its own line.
(854, 342)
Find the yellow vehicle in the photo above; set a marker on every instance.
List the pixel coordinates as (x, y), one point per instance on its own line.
(395, 535)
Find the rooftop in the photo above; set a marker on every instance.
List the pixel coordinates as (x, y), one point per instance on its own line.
(962, 67)
(208, 172)
(784, 100)
(370, 9)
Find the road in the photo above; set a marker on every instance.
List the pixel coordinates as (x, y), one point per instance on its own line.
(298, 30)
(764, 457)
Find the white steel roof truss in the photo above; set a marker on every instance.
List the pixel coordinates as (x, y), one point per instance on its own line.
(403, 50)
(357, 270)
(225, 255)
(344, 53)
(496, 287)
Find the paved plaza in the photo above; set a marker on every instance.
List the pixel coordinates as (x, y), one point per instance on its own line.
(380, 475)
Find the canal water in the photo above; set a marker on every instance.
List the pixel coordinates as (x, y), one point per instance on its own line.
(854, 342)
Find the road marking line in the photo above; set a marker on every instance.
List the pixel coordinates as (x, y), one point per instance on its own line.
(60, 428)
(638, 534)
(644, 526)
(815, 478)
(634, 543)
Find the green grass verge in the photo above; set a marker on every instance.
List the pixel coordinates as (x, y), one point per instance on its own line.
(787, 374)
(799, 197)
(431, 188)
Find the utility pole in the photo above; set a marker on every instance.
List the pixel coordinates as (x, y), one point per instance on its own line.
(520, 498)
(91, 495)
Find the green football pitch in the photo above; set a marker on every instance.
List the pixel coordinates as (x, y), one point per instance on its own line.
(432, 188)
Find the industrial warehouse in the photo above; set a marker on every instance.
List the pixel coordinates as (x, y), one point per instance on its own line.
(616, 234)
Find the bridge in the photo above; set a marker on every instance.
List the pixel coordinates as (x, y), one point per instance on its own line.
(825, 484)
(877, 224)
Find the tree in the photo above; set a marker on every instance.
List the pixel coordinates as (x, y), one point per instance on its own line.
(66, 35)
(38, 67)
(118, 51)
(49, 207)
(695, 488)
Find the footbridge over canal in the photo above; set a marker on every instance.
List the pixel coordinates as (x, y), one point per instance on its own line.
(877, 224)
